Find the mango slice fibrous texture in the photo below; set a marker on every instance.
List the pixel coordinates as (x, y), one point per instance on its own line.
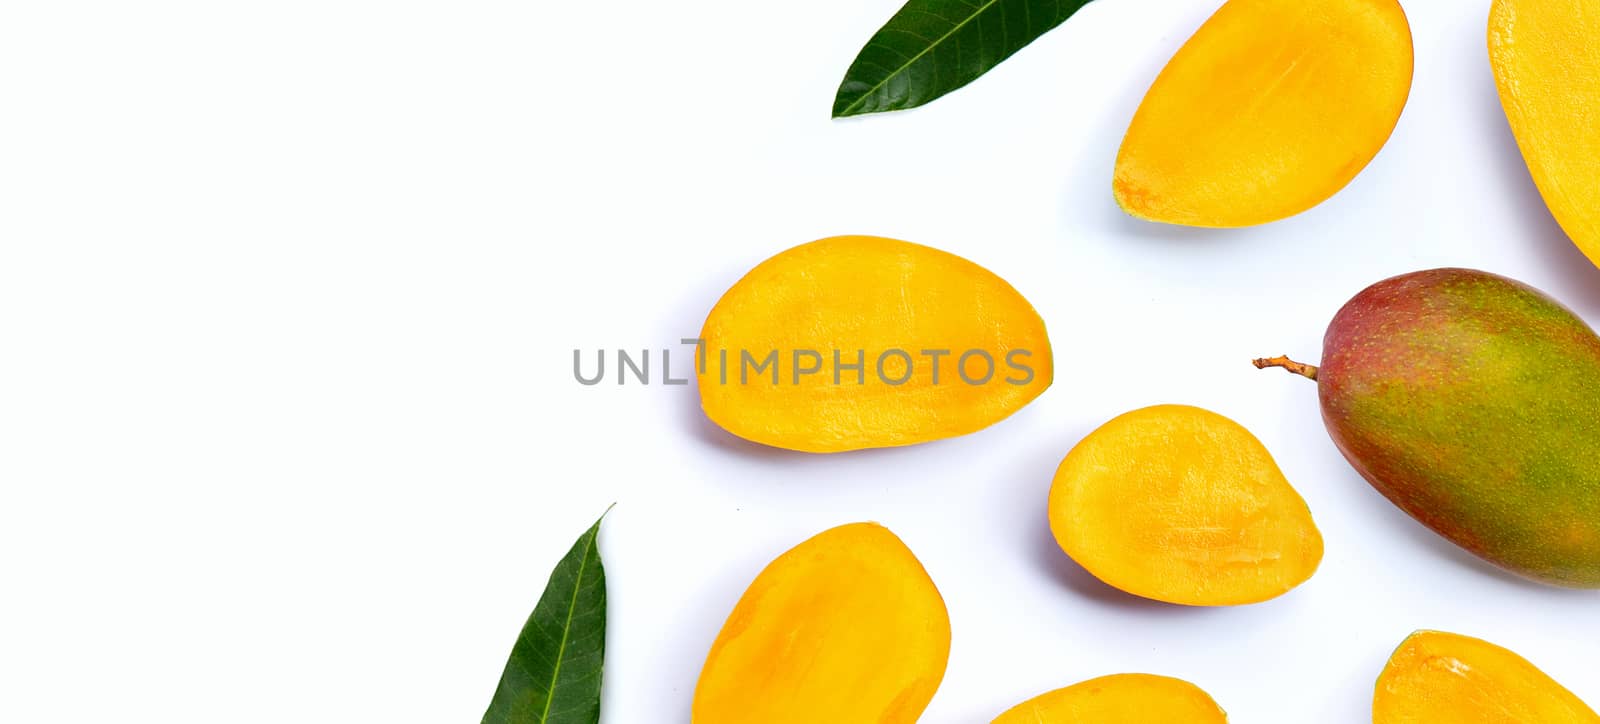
(1445, 678)
(1182, 505)
(1546, 60)
(1269, 109)
(1120, 699)
(860, 342)
(845, 627)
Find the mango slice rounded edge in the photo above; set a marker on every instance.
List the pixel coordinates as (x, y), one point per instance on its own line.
(845, 627)
(1182, 505)
(1121, 698)
(872, 342)
(1546, 60)
(1445, 678)
(1269, 109)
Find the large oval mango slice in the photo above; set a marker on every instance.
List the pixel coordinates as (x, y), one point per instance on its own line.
(1182, 505)
(1268, 110)
(845, 627)
(862, 342)
(1546, 59)
(1120, 699)
(1444, 678)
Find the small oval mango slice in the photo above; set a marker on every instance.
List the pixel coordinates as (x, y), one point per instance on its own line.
(861, 342)
(845, 627)
(1120, 699)
(1182, 505)
(1445, 678)
(1546, 59)
(1269, 109)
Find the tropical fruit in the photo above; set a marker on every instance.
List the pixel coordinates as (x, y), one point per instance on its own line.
(1470, 400)
(1120, 699)
(1183, 505)
(1546, 60)
(1444, 678)
(1268, 110)
(845, 627)
(861, 342)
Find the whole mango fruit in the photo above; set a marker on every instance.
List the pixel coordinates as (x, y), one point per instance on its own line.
(1472, 402)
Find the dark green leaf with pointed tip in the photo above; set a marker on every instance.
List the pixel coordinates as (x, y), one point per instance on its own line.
(553, 676)
(932, 47)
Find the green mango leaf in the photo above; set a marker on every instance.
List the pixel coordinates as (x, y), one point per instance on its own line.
(932, 47)
(553, 676)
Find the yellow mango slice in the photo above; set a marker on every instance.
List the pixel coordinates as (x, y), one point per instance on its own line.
(860, 342)
(1268, 110)
(1182, 505)
(1120, 699)
(845, 627)
(1445, 678)
(1546, 59)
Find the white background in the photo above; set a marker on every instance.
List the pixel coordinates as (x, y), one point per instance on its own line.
(289, 293)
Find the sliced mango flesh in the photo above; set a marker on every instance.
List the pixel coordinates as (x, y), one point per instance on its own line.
(872, 342)
(1120, 699)
(1445, 678)
(1546, 59)
(1182, 505)
(1269, 109)
(845, 627)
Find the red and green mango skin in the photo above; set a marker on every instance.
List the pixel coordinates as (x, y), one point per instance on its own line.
(1472, 402)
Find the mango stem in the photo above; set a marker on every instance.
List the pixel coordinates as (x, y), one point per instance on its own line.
(1304, 370)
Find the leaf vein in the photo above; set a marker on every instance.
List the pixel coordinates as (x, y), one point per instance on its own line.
(932, 45)
(572, 606)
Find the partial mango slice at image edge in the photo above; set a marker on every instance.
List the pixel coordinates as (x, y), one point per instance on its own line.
(857, 342)
(1546, 60)
(845, 627)
(1445, 678)
(1182, 505)
(1271, 108)
(1122, 699)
